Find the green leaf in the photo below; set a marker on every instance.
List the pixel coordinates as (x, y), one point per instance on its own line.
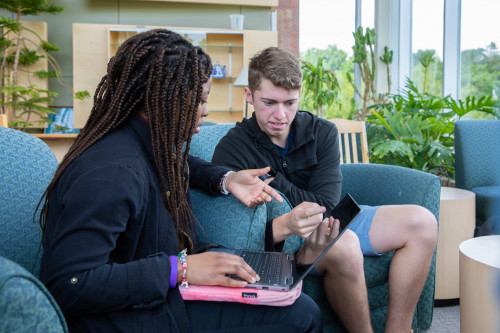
(81, 95)
(49, 47)
(47, 74)
(394, 147)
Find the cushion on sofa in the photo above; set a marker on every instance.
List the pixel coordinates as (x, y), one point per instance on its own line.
(25, 303)
(228, 222)
(487, 199)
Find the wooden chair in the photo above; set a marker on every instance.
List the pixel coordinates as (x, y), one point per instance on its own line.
(348, 131)
(3, 120)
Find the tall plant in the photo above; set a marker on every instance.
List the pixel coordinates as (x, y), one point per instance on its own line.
(364, 58)
(426, 58)
(319, 85)
(20, 49)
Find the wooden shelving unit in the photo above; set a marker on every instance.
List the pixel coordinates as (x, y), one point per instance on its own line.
(96, 43)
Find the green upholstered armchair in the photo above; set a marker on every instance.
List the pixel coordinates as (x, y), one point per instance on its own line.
(477, 164)
(230, 223)
(27, 165)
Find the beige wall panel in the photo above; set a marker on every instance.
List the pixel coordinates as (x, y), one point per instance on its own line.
(90, 57)
(256, 40)
(224, 117)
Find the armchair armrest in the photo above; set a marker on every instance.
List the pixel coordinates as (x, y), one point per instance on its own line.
(379, 184)
(228, 222)
(25, 304)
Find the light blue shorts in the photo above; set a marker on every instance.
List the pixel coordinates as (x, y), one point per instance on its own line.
(361, 227)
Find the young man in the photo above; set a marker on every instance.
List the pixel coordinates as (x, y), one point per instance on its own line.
(303, 153)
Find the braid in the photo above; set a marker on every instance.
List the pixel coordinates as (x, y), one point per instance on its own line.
(162, 74)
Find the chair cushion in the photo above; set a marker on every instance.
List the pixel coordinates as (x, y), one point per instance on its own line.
(204, 143)
(27, 166)
(275, 209)
(487, 199)
(25, 304)
(477, 156)
(228, 222)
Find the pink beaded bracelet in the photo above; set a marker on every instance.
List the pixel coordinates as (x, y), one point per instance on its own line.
(182, 256)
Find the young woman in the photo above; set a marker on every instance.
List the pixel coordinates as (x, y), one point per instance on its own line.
(117, 216)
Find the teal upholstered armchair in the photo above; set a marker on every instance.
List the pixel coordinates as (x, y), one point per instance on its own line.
(477, 164)
(230, 223)
(26, 167)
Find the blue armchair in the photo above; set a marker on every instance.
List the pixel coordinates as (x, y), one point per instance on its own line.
(477, 164)
(228, 222)
(26, 167)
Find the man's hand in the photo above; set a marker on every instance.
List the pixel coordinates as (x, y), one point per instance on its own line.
(249, 188)
(318, 241)
(301, 221)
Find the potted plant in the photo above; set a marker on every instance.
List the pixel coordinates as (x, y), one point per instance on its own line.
(415, 129)
(22, 98)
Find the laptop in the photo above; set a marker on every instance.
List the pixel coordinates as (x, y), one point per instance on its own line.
(278, 270)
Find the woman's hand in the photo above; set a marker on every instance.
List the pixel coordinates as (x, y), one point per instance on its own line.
(249, 188)
(213, 268)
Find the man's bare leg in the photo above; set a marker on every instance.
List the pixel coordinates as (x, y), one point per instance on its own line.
(412, 232)
(345, 284)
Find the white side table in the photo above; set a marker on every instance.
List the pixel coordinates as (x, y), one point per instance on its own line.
(479, 294)
(457, 219)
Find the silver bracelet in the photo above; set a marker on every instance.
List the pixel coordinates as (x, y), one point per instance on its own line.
(223, 183)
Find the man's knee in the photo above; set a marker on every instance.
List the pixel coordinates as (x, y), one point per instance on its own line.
(423, 225)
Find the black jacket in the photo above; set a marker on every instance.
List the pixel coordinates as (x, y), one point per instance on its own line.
(109, 236)
(309, 172)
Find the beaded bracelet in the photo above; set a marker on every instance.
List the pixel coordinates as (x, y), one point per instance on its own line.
(182, 256)
(222, 184)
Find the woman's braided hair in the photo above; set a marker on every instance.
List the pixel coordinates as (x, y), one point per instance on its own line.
(161, 73)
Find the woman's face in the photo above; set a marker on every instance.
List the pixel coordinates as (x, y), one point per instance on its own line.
(202, 107)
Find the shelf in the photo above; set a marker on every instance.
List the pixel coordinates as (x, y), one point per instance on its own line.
(59, 136)
(224, 47)
(96, 43)
(225, 111)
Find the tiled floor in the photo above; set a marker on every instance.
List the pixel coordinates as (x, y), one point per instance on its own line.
(446, 320)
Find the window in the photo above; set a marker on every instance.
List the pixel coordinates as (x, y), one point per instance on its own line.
(480, 53)
(427, 46)
(326, 30)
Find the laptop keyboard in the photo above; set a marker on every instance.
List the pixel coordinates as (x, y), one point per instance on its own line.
(266, 265)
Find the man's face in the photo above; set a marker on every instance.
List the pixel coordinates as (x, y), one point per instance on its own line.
(275, 109)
